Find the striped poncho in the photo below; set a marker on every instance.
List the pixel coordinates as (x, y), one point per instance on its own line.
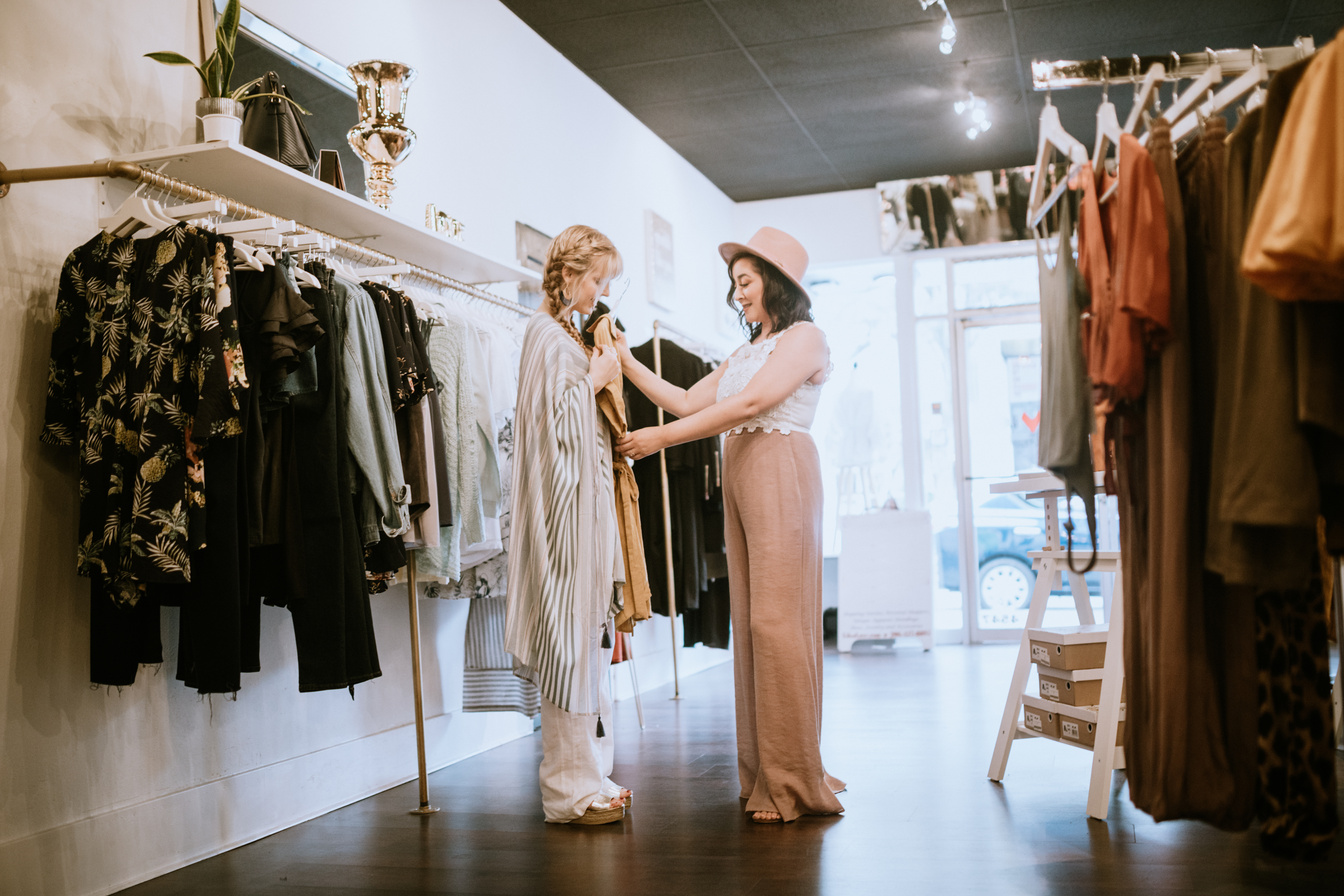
(563, 563)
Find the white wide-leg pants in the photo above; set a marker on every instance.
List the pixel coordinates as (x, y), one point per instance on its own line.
(576, 764)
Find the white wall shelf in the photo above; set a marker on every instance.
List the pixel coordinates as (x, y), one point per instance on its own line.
(249, 177)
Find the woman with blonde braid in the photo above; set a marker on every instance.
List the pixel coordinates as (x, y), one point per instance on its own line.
(565, 567)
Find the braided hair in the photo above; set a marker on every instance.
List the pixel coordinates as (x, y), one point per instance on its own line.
(576, 249)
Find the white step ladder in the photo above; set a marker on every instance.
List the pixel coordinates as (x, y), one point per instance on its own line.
(1052, 566)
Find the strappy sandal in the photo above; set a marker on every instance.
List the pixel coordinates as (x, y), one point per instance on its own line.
(613, 791)
(597, 813)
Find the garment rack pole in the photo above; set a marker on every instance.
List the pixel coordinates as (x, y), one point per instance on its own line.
(417, 682)
(191, 192)
(413, 595)
(667, 518)
(1063, 73)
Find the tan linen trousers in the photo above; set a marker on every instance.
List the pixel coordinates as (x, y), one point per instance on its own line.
(772, 528)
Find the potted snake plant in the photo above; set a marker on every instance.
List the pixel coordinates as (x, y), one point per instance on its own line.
(221, 109)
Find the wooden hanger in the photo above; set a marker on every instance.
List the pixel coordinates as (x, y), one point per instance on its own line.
(1053, 138)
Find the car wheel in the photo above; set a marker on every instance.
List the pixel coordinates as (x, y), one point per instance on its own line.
(1006, 584)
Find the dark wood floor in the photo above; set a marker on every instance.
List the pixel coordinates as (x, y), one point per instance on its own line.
(910, 732)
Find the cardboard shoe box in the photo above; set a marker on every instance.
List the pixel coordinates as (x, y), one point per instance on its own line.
(1081, 687)
(1040, 716)
(1079, 725)
(1070, 647)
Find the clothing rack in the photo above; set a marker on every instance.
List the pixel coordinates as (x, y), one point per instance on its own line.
(191, 192)
(658, 328)
(1065, 73)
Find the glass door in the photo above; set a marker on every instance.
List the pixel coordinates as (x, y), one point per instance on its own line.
(973, 413)
(1000, 420)
(1000, 414)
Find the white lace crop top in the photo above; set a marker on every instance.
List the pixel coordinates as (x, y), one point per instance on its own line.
(793, 414)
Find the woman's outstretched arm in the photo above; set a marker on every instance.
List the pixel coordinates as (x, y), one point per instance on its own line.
(799, 356)
(673, 399)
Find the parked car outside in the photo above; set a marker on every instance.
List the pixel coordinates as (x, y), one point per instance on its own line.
(1007, 527)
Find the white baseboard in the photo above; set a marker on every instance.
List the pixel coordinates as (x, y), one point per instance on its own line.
(123, 847)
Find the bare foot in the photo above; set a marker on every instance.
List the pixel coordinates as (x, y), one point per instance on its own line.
(766, 817)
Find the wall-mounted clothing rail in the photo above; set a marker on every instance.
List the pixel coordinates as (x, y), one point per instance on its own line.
(192, 193)
(183, 190)
(686, 340)
(1063, 73)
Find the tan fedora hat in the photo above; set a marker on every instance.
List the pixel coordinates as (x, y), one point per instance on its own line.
(778, 248)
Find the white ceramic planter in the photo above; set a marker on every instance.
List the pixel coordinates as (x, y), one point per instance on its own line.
(221, 127)
(210, 111)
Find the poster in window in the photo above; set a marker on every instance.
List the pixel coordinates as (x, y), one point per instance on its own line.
(662, 282)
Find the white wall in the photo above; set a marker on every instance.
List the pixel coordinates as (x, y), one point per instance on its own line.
(100, 789)
(509, 130)
(833, 227)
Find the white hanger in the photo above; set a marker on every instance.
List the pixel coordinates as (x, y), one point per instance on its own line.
(1224, 98)
(243, 254)
(384, 271)
(1143, 93)
(134, 214)
(196, 210)
(1186, 101)
(265, 222)
(338, 265)
(1053, 137)
(1108, 124)
(304, 278)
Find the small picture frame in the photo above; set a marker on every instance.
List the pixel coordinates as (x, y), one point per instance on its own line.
(660, 264)
(329, 168)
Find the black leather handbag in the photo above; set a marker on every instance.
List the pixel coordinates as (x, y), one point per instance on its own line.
(272, 126)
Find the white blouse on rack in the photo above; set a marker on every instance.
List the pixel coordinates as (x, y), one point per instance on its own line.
(793, 414)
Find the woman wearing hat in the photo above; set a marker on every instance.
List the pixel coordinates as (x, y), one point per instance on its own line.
(765, 397)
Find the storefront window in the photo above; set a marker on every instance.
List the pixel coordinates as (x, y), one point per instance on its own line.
(996, 282)
(858, 425)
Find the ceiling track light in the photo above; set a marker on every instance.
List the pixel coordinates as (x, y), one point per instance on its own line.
(947, 37)
(979, 110)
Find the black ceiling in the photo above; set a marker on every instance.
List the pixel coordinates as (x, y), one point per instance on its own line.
(776, 98)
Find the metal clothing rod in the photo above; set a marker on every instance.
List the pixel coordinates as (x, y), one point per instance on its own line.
(689, 341)
(1064, 73)
(193, 193)
(667, 517)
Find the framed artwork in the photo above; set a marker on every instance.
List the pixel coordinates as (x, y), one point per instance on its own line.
(659, 261)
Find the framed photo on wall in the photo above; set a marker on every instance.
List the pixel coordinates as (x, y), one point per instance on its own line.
(659, 261)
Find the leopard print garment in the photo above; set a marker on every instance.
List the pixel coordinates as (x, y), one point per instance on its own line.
(1295, 756)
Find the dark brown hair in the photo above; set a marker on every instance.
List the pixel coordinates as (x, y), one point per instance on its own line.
(784, 301)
